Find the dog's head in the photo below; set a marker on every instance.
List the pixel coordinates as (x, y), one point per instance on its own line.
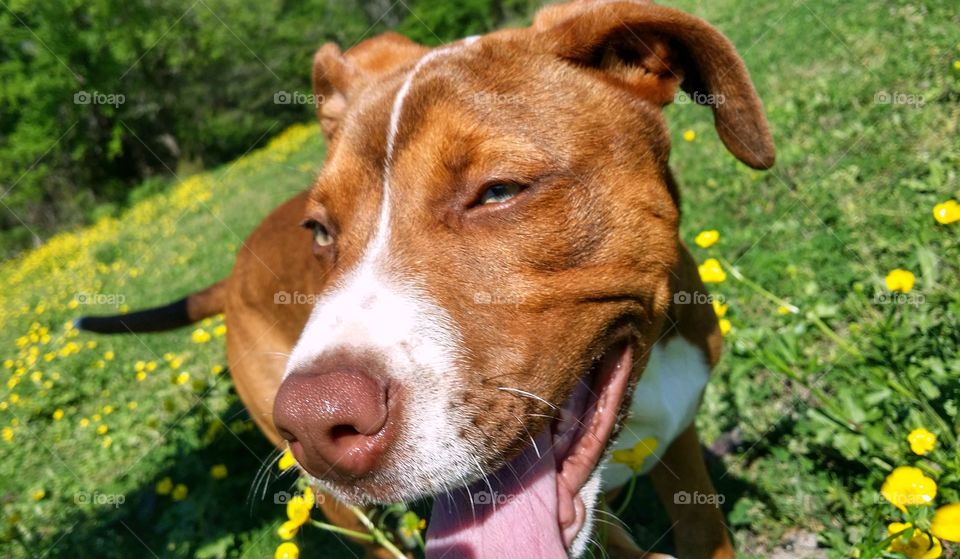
(498, 228)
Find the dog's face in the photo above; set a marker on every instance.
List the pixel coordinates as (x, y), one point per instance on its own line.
(499, 233)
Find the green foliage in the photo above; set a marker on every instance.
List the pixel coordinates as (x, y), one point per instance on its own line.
(432, 23)
(99, 95)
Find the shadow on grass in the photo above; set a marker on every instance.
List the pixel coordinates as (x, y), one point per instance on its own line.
(218, 518)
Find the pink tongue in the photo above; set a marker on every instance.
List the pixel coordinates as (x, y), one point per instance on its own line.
(514, 516)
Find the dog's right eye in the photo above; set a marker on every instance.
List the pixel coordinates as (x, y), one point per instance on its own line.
(499, 193)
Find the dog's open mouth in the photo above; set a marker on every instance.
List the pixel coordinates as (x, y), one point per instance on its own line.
(532, 507)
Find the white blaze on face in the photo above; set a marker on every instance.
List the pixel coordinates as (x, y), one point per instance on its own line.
(379, 310)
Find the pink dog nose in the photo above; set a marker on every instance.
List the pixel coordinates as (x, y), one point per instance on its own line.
(336, 422)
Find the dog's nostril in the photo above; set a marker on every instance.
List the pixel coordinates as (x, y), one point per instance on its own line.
(344, 434)
(337, 420)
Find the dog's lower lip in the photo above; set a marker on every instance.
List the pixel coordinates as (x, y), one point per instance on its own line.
(585, 427)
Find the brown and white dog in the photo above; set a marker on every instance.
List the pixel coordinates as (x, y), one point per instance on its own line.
(493, 257)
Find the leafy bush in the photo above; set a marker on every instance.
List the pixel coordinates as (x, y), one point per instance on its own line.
(99, 95)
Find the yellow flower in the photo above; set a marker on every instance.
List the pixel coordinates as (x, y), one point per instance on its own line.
(179, 492)
(288, 530)
(218, 471)
(946, 523)
(725, 326)
(783, 310)
(108, 355)
(107, 410)
(298, 507)
(634, 458)
(921, 441)
(220, 330)
(102, 429)
(900, 280)
(106, 442)
(139, 366)
(411, 524)
(907, 486)
(689, 135)
(164, 486)
(132, 405)
(287, 461)
(706, 239)
(182, 378)
(58, 414)
(919, 546)
(719, 309)
(216, 369)
(84, 422)
(38, 495)
(200, 336)
(947, 212)
(287, 550)
(711, 271)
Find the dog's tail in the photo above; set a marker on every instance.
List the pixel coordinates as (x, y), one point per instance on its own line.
(190, 309)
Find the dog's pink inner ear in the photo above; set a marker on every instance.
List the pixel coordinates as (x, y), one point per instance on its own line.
(651, 50)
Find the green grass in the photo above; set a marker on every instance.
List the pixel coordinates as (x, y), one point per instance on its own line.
(817, 423)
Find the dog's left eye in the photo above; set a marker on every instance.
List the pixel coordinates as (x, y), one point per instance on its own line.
(499, 193)
(321, 235)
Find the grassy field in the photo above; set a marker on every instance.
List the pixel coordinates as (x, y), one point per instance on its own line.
(810, 410)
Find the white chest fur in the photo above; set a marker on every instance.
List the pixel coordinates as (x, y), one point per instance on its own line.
(664, 403)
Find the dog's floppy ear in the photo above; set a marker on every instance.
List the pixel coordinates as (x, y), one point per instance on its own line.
(338, 77)
(652, 50)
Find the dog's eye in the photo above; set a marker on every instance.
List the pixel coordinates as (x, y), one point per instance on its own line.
(321, 235)
(499, 193)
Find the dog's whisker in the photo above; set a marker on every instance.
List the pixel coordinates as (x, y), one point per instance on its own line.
(486, 480)
(529, 436)
(262, 477)
(527, 395)
(466, 486)
(614, 519)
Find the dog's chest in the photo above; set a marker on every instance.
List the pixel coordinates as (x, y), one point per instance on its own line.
(664, 405)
